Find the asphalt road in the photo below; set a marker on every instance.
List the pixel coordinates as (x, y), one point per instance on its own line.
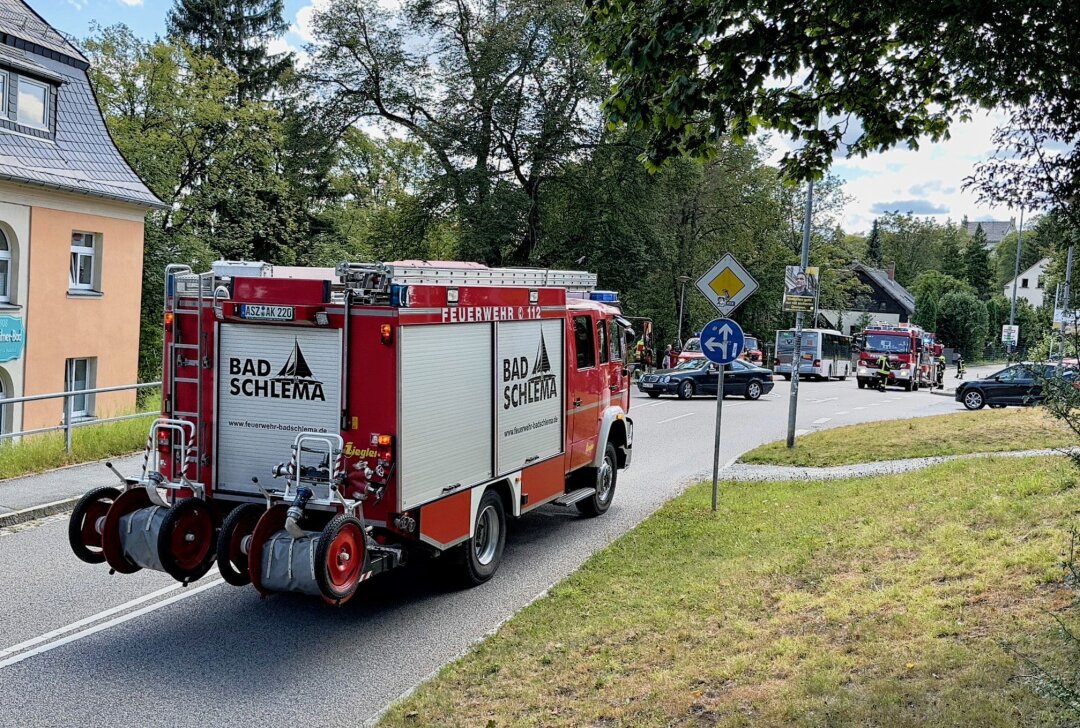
(78, 647)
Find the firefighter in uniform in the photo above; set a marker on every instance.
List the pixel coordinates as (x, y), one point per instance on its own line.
(941, 371)
(883, 371)
(960, 368)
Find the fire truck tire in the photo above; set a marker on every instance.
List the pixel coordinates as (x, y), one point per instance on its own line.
(481, 555)
(231, 560)
(186, 540)
(907, 386)
(83, 535)
(606, 477)
(686, 389)
(340, 558)
(862, 384)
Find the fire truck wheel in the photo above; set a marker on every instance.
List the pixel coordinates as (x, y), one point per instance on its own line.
(606, 476)
(231, 558)
(481, 555)
(862, 384)
(186, 540)
(83, 534)
(340, 558)
(686, 389)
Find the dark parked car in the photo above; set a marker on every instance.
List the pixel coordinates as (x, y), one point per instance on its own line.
(1020, 385)
(698, 376)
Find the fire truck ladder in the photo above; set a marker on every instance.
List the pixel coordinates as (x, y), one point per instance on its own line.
(378, 277)
(179, 279)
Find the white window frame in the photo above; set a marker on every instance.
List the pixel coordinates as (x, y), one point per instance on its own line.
(83, 251)
(5, 80)
(82, 406)
(6, 257)
(46, 124)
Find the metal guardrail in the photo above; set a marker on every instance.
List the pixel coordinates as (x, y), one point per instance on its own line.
(70, 422)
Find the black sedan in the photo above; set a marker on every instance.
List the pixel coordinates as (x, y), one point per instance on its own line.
(698, 376)
(1020, 385)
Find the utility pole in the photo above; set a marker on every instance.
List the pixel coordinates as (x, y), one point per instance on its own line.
(1016, 274)
(1065, 305)
(796, 356)
(682, 297)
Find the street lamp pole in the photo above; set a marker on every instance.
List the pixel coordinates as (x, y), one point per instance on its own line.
(682, 298)
(796, 356)
(1016, 274)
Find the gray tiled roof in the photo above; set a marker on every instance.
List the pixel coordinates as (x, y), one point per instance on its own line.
(995, 229)
(19, 20)
(897, 292)
(81, 157)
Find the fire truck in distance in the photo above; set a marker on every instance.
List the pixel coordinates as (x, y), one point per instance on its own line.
(913, 356)
(319, 427)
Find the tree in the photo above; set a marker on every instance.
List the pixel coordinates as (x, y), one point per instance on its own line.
(235, 34)
(873, 246)
(962, 323)
(929, 288)
(691, 72)
(952, 257)
(977, 269)
(912, 243)
(499, 93)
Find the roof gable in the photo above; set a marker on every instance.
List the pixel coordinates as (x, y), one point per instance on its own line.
(889, 287)
(995, 230)
(1035, 270)
(19, 22)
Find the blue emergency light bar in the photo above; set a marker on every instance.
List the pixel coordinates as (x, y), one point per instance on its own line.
(604, 296)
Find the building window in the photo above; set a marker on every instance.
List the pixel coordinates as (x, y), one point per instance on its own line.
(5, 269)
(78, 377)
(83, 249)
(32, 108)
(3, 94)
(1023, 282)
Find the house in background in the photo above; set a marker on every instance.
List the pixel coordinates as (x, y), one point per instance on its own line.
(884, 301)
(1030, 284)
(71, 231)
(996, 230)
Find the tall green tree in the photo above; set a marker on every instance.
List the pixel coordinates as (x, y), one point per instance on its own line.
(929, 288)
(977, 269)
(963, 323)
(873, 246)
(912, 243)
(235, 34)
(952, 251)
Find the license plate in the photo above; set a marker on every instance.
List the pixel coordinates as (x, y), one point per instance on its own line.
(646, 386)
(259, 312)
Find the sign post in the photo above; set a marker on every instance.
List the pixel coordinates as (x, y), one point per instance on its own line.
(1010, 334)
(721, 341)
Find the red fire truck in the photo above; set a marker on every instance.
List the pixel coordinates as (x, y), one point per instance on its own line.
(319, 427)
(912, 354)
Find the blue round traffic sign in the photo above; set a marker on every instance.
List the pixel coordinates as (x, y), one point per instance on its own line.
(722, 341)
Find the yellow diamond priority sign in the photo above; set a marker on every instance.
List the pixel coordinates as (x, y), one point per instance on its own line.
(727, 285)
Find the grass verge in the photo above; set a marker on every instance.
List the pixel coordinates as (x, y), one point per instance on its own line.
(1020, 428)
(37, 453)
(874, 602)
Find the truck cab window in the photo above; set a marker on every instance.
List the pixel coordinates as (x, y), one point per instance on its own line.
(616, 339)
(602, 340)
(583, 342)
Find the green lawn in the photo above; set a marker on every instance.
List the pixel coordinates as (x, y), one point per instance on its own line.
(36, 453)
(959, 433)
(876, 602)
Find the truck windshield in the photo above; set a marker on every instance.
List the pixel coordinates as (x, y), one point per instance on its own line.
(692, 345)
(884, 343)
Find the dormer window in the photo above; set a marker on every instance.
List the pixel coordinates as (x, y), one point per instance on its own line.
(32, 106)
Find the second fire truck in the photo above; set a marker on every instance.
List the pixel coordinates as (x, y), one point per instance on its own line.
(912, 353)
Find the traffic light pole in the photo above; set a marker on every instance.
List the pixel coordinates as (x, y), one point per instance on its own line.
(796, 355)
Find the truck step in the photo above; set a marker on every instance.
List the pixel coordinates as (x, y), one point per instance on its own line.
(574, 496)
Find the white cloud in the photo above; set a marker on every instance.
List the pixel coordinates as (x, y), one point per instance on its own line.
(132, 3)
(930, 178)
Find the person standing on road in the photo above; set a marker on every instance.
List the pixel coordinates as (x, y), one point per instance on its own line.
(941, 371)
(666, 363)
(883, 369)
(960, 368)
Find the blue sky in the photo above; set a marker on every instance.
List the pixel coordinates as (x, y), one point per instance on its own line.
(926, 182)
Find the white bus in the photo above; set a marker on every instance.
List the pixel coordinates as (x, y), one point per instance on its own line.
(826, 353)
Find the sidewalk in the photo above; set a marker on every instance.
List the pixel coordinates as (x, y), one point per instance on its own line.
(55, 491)
(979, 372)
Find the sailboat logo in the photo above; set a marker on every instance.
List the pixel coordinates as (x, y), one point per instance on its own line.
(296, 366)
(542, 364)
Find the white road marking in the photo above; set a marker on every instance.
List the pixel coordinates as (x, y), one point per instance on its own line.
(860, 408)
(672, 419)
(105, 625)
(821, 420)
(819, 401)
(646, 406)
(842, 412)
(798, 433)
(88, 620)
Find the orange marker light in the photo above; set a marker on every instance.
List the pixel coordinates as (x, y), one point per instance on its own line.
(169, 315)
(384, 440)
(386, 333)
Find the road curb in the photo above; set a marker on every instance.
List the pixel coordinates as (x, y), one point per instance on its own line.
(35, 512)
